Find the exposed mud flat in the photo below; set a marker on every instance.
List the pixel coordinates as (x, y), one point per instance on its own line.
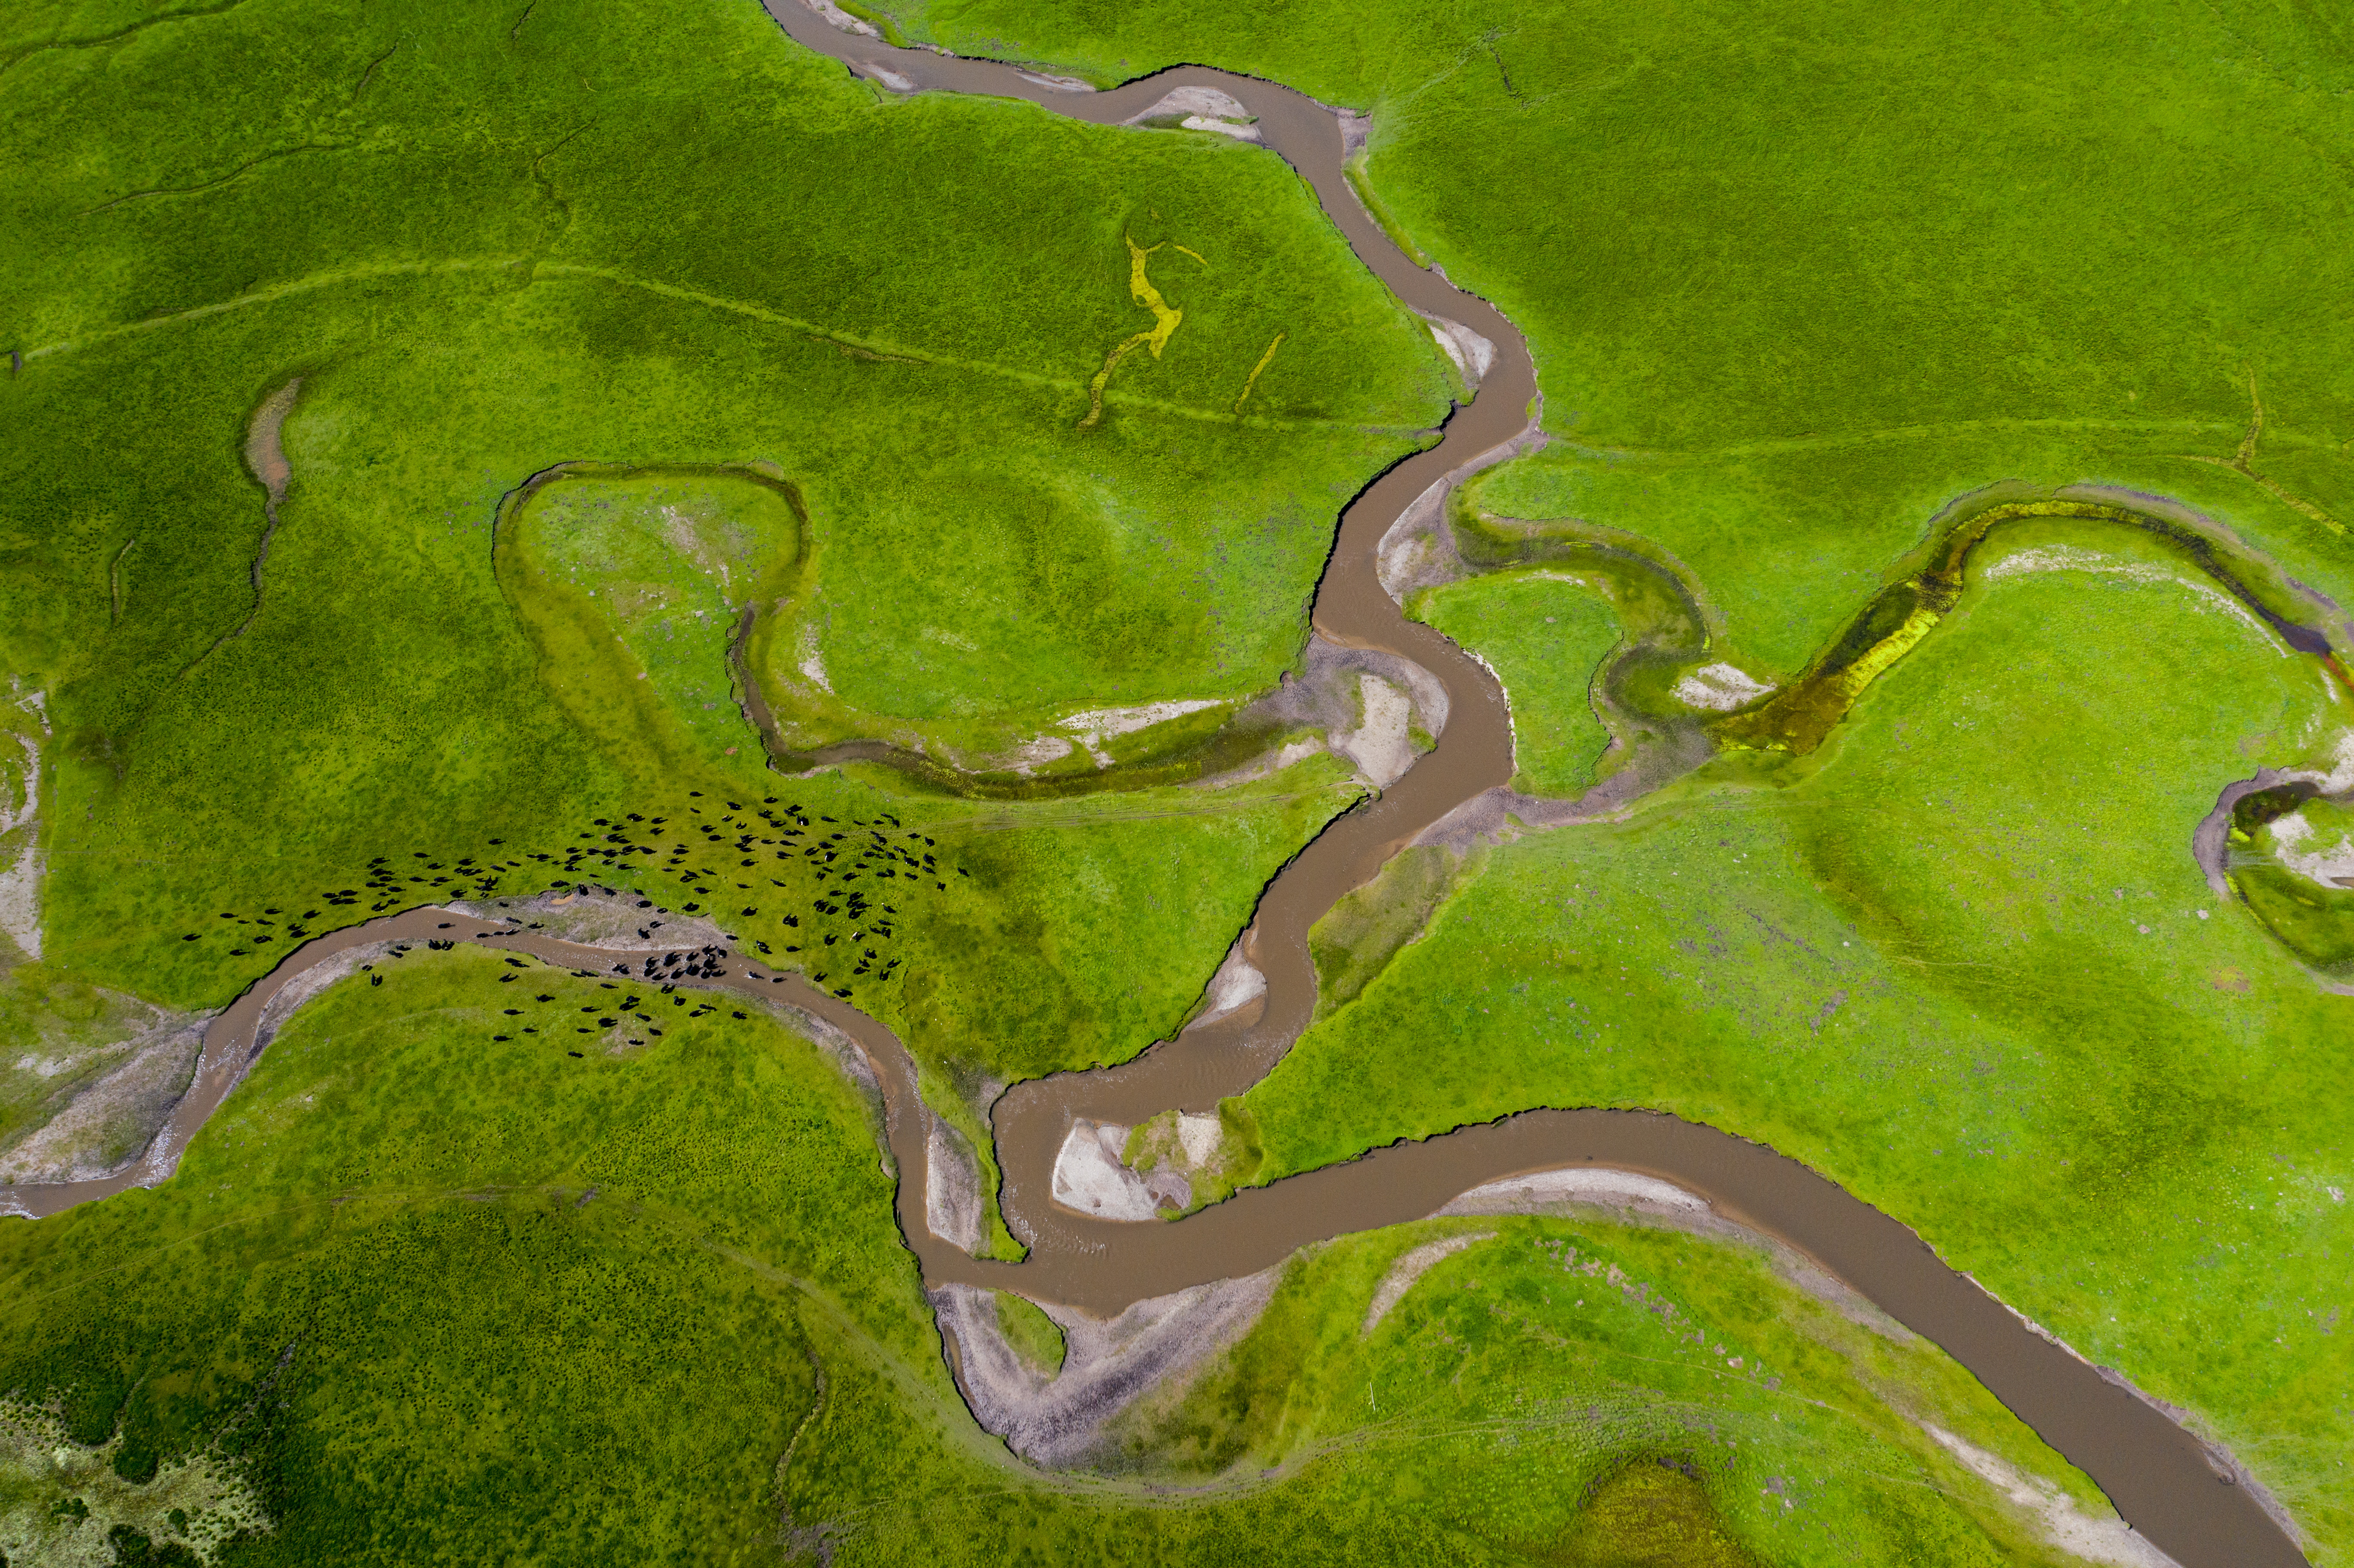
(1090, 1273)
(598, 919)
(2065, 1525)
(952, 1208)
(110, 1117)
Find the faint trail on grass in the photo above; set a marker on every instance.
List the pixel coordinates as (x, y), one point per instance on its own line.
(862, 345)
(1771, 445)
(234, 174)
(883, 348)
(2244, 464)
(270, 294)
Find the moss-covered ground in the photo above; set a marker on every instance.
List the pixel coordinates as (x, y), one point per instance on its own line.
(421, 1296)
(1962, 960)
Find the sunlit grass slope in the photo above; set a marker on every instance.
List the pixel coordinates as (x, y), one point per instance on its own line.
(422, 1295)
(655, 241)
(1967, 967)
(1788, 277)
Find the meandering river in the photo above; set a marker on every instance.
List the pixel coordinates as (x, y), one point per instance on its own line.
(2162, 1480)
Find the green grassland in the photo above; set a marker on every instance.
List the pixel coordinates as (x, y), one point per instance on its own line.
(673, 249)
(422, 1295)
(1792, 287)
(647, 573)
(1545, 638)
(1035, 1337)
(1962, 960)
(1524, 1378)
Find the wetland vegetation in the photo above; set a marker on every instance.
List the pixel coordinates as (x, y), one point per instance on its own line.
(624, 418)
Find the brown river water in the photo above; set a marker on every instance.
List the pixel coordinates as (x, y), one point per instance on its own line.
(2160, 1478)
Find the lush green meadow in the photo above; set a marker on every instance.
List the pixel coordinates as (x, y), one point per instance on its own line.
(1793, 286)
(655, 244)
(419, 1295)
(1522, 1379)
(1962, 961)
(1546, 638)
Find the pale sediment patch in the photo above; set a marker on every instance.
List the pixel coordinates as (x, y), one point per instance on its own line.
(20, 838)
(1629, 1197)
(196, 1502)
(2210, 842)
(2339, 779)
(1720, 688)
(1032, 755)
(114, 1118)
(265, 454)
(1380, 746)
(1265, 766)
(1198, 1136)
(812, 664)
(838, 17)
(1547, 1192)
(1356, 131)
(2096, 1540)
(1169, 1150)
(1223, 127)
(951, 1186)
(1418, 551)
(1410, 1268)
(1202, 109)
(1472, 354)
(1328, 695)
(308, 983)
(2331, 867)
(1156, 1347)
(1128, 721)
(2040, 559)
(1237, 984)
(1090, 1178)
(595, 920)
(884, 74)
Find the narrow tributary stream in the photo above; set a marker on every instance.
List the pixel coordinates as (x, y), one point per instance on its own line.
(2162, 1480)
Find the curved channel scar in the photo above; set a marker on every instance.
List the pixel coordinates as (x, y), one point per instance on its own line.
(265, 459)
(1165, 317)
